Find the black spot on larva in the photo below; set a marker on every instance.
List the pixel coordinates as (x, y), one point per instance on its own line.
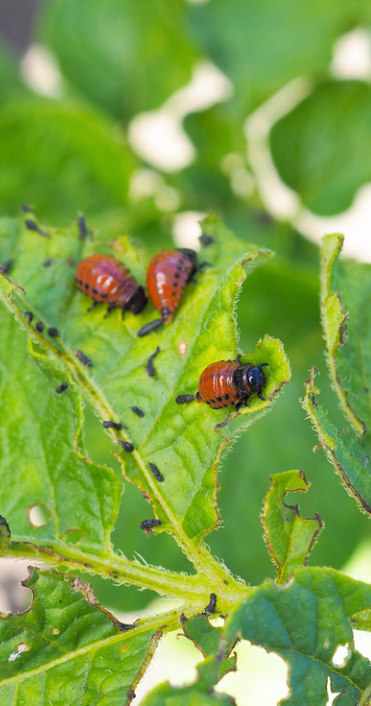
(104, 296)
(137, 411)
(175, 284)
(86, 285)
(226, 396)
(156, 473)
(147, 525)
(84, 358)
(177, 275)
(39, 326)
(218, 399)
(210, 608)
(112, 425)
(61, 388)
(95, 291)
(126, 445)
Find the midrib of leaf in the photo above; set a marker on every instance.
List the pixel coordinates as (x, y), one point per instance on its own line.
(166, 621)
(203, 561)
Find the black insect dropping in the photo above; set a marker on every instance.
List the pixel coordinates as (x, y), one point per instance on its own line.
(83, 231)
(32, 225)
(62, 387)
(47, 263)
(181, 399)
(156, 473)
(5, 267)
(126, 445)
(211, 607)
(25, 208)
(29, 315)
(148, 525)
(137, 411)
(124, 627)
(112, 425)
(206, 240)
(150, 366)
(53, 332)
(39, 326)
(84, 358)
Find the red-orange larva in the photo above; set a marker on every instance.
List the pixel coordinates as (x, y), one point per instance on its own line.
(228, 382)
(107, 281)
(168, 273)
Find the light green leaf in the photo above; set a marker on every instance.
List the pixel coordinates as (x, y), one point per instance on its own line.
(67, 649)
(322, 148)
(182, 441)
(304, 622)
(290, 538)
(68, 159)
(262, 45)
(126, 57)
(50, 492)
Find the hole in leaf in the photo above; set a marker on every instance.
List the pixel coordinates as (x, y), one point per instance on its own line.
(39, 515)
(341, 655)
(331, 694)
(182, 348)
(73, 536)
(260, 675)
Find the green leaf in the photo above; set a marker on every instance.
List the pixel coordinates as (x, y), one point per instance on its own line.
(304, 622)
(182, 441)
(67, 649)
(50, 492)
(125, 57)
(345, 311)
(290, 538)
(349, 456)
(261, 46)
(322, 148)
(345, 296)
(166, 695)
(10, 84)
(69, 159)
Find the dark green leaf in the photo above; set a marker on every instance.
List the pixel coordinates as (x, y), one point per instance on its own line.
(322, 148)
(290, 537)
(305, 622)
(262, 45)
(62, 158)
(126, 57)
(67, 649)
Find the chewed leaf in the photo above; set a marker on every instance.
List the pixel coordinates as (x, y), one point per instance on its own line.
(172, 447)
(50, 492)
(305, 622)
(345, 297)
(349, 455)
(290, 537)
(67, 643)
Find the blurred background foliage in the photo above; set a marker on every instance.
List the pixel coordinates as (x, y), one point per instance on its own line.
(64, 148)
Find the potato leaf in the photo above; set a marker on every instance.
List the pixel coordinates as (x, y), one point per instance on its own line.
(65, 648)
(305, 622)
(345, 317)
(289, 537)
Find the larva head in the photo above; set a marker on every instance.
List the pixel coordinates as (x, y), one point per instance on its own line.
(253, 379)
